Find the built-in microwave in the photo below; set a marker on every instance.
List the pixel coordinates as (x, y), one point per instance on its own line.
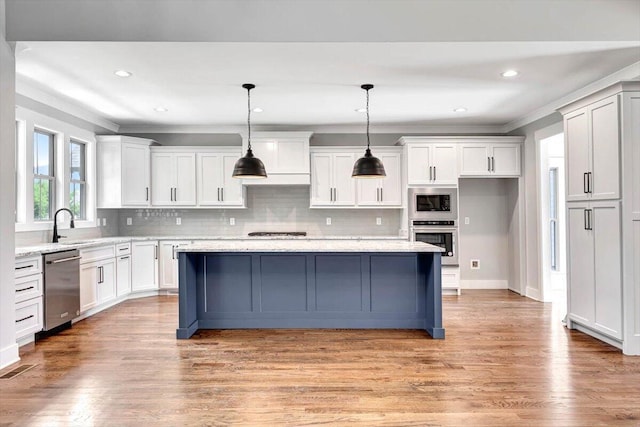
(427, 203)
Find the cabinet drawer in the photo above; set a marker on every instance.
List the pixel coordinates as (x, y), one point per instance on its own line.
(28, 287)
(123, 249)
(95, 254)
(28, 265)
(28, 317)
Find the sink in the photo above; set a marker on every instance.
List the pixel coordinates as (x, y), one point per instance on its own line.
(76, 242)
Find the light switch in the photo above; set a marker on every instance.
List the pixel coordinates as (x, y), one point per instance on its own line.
(178, 220)
(129, 221)
(466, 220)
(232, 221)
(328, 220)
(378, 221)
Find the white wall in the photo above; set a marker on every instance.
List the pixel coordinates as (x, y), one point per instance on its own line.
(8, 346)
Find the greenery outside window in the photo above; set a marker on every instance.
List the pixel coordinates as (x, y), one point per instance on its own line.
(77, 179)
(43, 176)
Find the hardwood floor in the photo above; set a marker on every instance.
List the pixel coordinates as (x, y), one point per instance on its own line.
(505, 361)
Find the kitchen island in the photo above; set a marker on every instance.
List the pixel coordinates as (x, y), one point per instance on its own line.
(352, 284)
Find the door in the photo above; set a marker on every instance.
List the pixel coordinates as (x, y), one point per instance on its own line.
(577, 154)
(88, 281)
(209, 180)
(232, 194)
(580, 263)
(474, 160)
(123, 275)
(607, 243)
(419, 165)
(605, 143)
(135, 175)
(321, 190)
(344, 186)
(506, 160)
(144, 265)
(162, 178)
(184, 189)
(106, 284)
(391, 185)
(445, 164)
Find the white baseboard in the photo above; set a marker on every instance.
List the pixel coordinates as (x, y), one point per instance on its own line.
(484, 284)
(533, 293)
(9, 355)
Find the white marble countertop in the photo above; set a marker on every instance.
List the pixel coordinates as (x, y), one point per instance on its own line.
(309, 245)
(44, 248)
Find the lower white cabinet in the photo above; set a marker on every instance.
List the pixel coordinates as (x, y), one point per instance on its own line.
(28, 296)
(97, 283)
(29, 318)
(123, 275)
(169, 264)
(144, 265)
(594, 261)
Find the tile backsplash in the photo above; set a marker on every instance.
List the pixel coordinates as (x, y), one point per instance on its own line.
(269, 208)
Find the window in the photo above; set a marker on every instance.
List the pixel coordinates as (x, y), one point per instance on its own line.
(43, 176)
(77, 176)
(553, 217)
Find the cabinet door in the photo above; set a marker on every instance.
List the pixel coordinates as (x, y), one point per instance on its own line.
(391, 185)
(344, 187)
(135, 175)
(419, 165)
(162, 178)
(607, 263)
(474, 160)
(123, 275)
(184, 190)
(580, 264)
(169, 264)
(88, 290)
(445, 164)
(321, 186)
(106, 283)
(231, 188)
(144, 265)
(209, 180)
(605, 142)
(369, 191)
(576, 137)
(506, 160)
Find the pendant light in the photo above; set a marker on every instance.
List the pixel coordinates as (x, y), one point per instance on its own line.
(368, 166)
(249, 166)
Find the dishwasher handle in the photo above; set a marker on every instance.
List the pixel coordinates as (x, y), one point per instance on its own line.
(57, 261)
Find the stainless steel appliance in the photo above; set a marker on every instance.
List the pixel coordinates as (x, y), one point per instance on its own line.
(443, 233)
(61, 287)
(427, 203)
(277, 234)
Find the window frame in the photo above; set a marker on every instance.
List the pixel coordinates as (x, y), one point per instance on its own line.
(52, 177)
(83, 177)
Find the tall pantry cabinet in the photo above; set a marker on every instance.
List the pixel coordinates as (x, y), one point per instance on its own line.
(602, 157)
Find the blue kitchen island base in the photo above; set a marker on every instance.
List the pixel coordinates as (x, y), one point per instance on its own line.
(240, 290)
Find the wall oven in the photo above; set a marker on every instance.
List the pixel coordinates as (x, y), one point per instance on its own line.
(429, 203)
(443, 233)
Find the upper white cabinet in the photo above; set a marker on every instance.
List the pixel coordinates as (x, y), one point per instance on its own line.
(215, 185)
(123, 171)
(285, 156)
(430, 161)
(382, 192)
(173, 177)
(592, 144)
(493, 157)
(331, 184)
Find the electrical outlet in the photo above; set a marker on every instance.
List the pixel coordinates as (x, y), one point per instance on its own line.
(475, 264)
(378, 221)
(104, 222)
(129, 221)
(466, 220)
(232, 221)
(178, 220)
(328, 220)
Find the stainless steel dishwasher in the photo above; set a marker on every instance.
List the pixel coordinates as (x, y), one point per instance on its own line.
(61, 287)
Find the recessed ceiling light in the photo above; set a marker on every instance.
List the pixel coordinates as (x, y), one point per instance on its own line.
(122, 73)
(459, 110)
(161, 109)
(360, 110)
(257, 110)
(509, 73)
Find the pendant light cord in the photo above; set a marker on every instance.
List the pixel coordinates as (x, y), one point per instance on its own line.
(249, 117)
(367, 119)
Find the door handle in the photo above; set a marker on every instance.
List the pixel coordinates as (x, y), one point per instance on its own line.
(124, 257)
(25, 289)
(25, 318)
(57, 261)
(24, 266)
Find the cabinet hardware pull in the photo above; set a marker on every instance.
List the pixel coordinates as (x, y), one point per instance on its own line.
(123, 249)
(430, 173)
(589, 183)
(222, 192)
(155, 252)
(57, 261)
(25, 289)
(590, 219)
(24, 266)
(173, 254)
(24, 318)
(175, 194)
(585, 182)
(488, 164)
(147, 190)
(586, 219)
(435, 174)
(124, 257)
(218, 193)
(381, 195)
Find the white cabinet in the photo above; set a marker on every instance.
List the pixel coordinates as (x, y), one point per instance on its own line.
(173, 177)
(490, 160)
(97, 276)
(431, 163)
(123, 171)
(331, 183)
(592, 144)
(106, 284)
(28, 296)
(123, 269)
(169, 264)
(595, 266)
(216, 186)
(285, 156)
(385, 191)
(144, 265)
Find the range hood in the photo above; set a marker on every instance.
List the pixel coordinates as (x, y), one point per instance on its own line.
(285, 156)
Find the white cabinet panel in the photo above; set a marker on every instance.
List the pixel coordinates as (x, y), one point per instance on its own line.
(169, 264)
(576, 137)
(144, 265)
(580, 264)
(383, 191)
(321, 179)
(29, 317)
(474, 160)
(491, 160)
(173, 178)
(505, 160)
(123, 275)
(135, 175)
(285, 156)
(232, 192)
(432, 164)
(216, 186)
(266, 151)
(605, 142)
(184, 193)
(419, 164)
(369, 191)
(106, 284)
(344, 187)
(445, 164)
(162, 178)
(88, 290)
(293, 156)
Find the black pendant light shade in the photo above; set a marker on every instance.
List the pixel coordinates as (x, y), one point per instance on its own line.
(249, 166)
(368, 166)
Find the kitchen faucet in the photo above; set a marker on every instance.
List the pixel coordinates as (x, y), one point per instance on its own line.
(55, 224)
